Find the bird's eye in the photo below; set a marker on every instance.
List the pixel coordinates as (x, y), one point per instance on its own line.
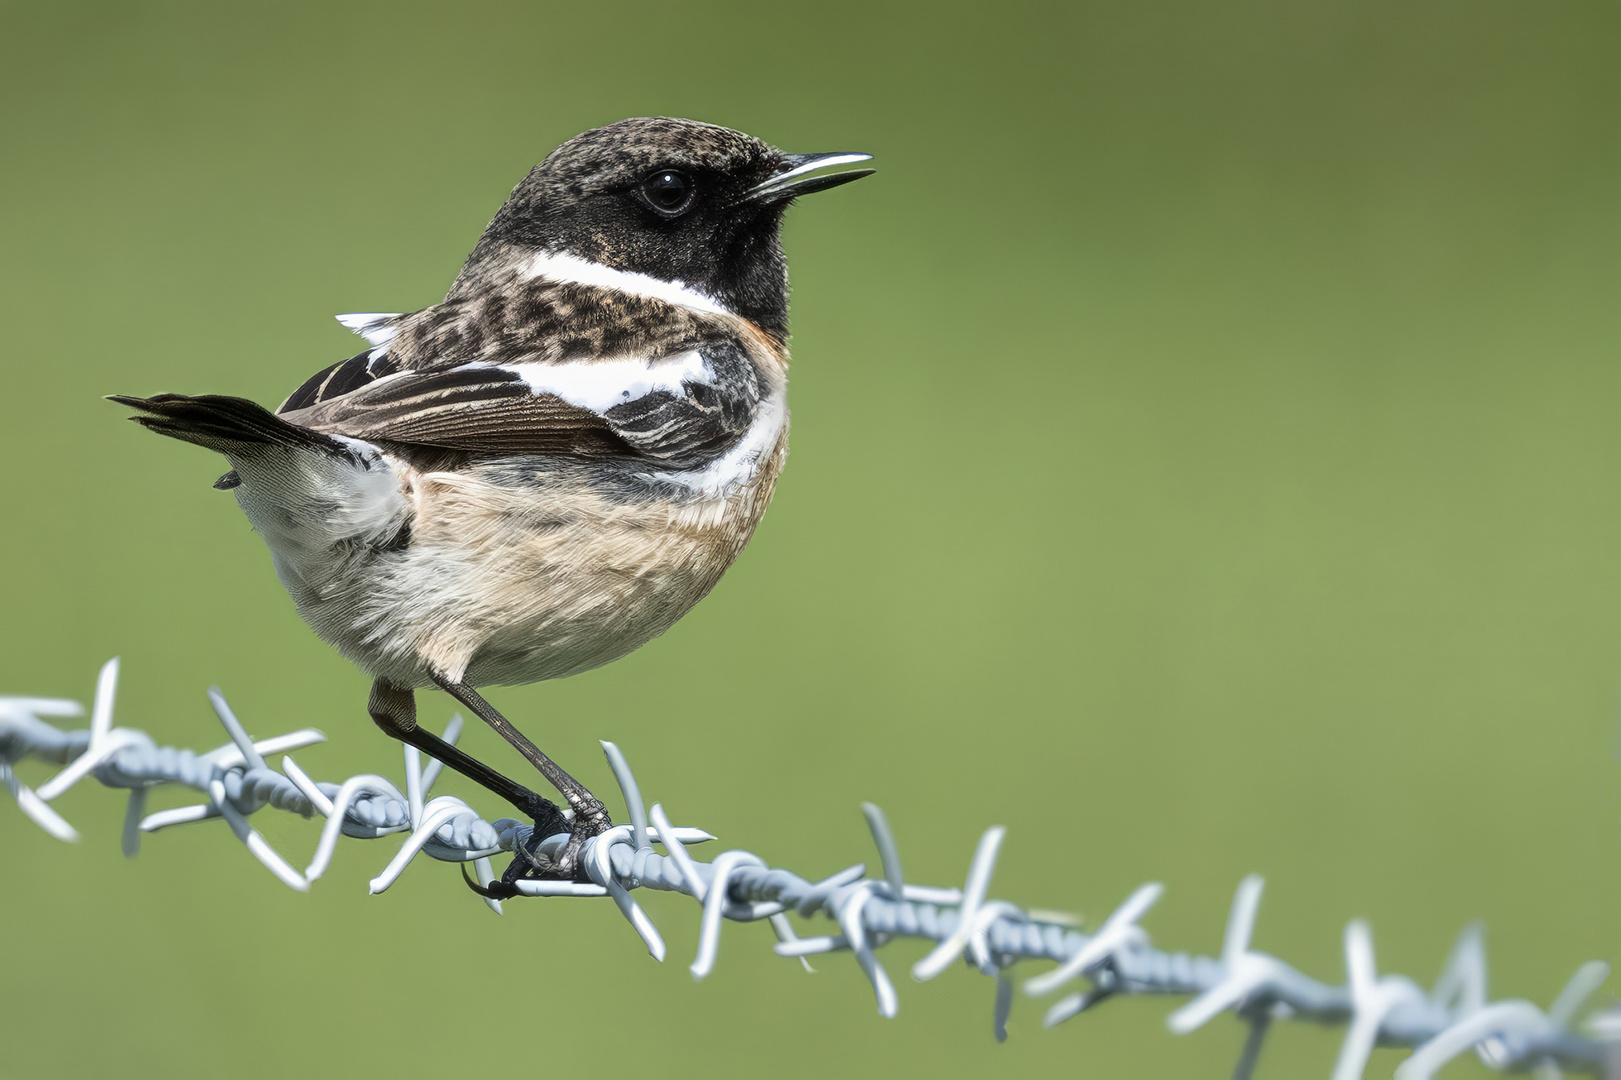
(667, 191)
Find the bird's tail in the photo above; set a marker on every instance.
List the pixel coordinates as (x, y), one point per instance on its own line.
(228, 425)
(304, 491)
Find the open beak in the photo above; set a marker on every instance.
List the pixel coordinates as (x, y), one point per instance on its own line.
(801, 175)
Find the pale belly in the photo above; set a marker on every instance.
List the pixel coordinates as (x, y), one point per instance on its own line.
(614, 613)
(503, 585)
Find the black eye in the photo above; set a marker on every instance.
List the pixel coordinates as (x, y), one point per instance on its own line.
(667, 191)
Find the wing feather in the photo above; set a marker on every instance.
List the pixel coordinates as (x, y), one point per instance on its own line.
(377, 327)
(679, 411)
(339, 379)
(483, 410)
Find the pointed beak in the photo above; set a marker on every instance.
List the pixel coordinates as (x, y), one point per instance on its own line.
(801, 174)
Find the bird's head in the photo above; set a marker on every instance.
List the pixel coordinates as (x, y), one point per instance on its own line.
(673, 200)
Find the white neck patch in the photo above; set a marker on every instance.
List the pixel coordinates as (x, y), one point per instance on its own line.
(558, 266)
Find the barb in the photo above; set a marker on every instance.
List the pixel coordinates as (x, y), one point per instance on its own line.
(989, 935)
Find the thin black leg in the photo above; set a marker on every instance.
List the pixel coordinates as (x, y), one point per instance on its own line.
(394, 711)
(590, 816)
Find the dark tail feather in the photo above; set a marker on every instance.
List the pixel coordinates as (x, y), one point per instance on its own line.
(225, 424)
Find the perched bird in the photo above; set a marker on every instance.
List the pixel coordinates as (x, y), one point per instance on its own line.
(552, 466)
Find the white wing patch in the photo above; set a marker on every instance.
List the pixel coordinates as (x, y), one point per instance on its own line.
(599, 385)
(371, 325)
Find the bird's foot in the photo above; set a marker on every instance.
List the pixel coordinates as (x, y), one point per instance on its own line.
(590, 819)
(533, 861)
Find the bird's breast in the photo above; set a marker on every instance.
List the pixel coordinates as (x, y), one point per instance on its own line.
(526, 570)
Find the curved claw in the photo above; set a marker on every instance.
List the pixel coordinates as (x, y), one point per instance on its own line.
(495, 890)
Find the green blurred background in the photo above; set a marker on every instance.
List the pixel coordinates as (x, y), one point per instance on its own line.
(1205, 462)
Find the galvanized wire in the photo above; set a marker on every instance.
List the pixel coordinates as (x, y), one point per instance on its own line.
(991, 936)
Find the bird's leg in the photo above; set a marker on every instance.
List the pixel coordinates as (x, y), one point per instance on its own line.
(590, 816)
(394, 710)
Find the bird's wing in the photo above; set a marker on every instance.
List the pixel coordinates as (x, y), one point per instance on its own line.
(377, 327)
(344, 377)
(681, 410)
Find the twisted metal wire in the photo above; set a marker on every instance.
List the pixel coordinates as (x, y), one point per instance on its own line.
(991, 936)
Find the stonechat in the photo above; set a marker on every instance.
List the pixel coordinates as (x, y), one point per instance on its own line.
(550, 467)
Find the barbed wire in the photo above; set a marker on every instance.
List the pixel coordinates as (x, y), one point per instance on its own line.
(990, 936)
